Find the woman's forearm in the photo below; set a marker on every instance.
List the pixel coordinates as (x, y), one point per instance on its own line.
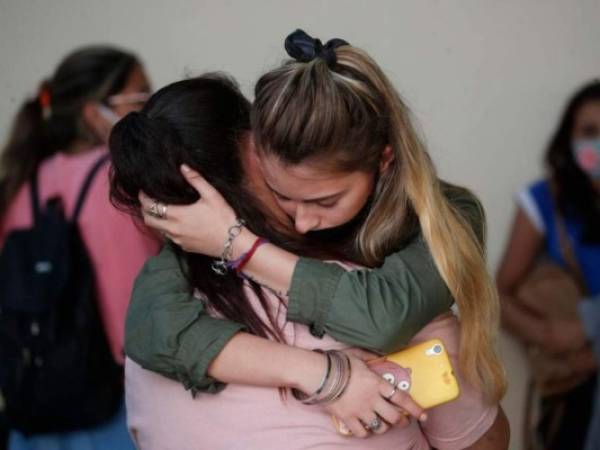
(251, 360)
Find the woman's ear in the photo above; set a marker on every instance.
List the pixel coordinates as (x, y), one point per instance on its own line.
(387, 157)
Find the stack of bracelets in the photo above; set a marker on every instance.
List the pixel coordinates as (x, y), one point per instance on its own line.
(334, 383)
(225, 262)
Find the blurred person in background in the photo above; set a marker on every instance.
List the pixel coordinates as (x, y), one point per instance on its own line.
(549, 278)
(59, 136)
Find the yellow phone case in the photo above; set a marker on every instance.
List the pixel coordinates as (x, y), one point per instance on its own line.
(423, 370)
(432, 380)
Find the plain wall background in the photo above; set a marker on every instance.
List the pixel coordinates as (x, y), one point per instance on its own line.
(486, 79)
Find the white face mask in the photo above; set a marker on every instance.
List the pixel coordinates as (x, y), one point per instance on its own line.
(108, 114)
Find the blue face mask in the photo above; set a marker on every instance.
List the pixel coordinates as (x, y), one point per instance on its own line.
(109, 115)
(586, 153)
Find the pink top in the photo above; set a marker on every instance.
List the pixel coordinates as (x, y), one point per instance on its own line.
(117, 247)
(163, 416)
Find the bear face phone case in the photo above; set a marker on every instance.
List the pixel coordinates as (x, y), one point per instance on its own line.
(423, 370)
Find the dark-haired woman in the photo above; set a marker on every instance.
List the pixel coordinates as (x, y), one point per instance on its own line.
(59, 135)
(570, 194)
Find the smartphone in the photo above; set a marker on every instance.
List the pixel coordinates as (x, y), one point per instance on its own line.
(423, 370)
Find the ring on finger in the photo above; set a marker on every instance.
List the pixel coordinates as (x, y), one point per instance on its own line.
(158, 210)
(161, 210)
(153, 210)
(374, 424)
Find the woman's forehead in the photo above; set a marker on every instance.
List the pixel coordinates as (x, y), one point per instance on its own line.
(304, 180)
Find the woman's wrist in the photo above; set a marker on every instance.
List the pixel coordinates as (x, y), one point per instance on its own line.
(305, 370)
(242, 243)
(333, 383)
(272, 267)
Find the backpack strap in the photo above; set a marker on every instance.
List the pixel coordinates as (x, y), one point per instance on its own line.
(568, 252)
(87, 184)
(35, 197)
(564, 242)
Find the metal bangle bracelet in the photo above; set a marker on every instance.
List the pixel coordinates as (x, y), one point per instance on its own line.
(220, 266)
(314, 398)
(346, 380)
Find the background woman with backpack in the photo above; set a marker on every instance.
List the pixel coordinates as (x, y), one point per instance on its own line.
(61, 375)
(549, 304)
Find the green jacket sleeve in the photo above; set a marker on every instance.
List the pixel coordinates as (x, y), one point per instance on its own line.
(169, 331)
(379, 309)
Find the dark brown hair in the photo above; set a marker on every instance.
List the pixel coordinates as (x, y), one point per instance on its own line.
(90, 73)
(575, 192)
(198, 122)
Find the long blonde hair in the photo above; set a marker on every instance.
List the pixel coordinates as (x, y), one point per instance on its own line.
(344, 114)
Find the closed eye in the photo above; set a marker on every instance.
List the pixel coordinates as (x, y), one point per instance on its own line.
(281, 197)
(329, 204)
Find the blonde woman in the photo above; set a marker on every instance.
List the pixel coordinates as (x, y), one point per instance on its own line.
(339, 153)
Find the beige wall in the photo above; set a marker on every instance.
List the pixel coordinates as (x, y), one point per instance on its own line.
(486, 78)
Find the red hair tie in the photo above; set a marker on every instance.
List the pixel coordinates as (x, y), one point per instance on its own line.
(44, 99)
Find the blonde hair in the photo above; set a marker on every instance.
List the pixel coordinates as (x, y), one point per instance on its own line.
(344, 114)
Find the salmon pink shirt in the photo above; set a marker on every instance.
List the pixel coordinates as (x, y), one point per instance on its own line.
(162, 415)
(117, 246)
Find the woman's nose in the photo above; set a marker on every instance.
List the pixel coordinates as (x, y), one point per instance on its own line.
(305, 220)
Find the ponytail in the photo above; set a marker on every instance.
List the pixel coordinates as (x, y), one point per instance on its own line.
(26, 147)
(453, 242)
(458, 254)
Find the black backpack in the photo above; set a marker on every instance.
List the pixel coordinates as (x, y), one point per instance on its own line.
(57, 372)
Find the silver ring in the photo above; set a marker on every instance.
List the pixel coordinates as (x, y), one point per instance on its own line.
(162, 210)
(158, 210)
(374, 424)
(389, 397)
(153, 209)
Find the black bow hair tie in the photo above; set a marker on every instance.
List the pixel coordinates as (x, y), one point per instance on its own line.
(300, 46)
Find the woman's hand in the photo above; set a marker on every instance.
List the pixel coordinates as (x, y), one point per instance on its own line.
(367, 398)
(200, 227)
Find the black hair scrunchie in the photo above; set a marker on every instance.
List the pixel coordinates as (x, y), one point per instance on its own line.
(300, 46)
